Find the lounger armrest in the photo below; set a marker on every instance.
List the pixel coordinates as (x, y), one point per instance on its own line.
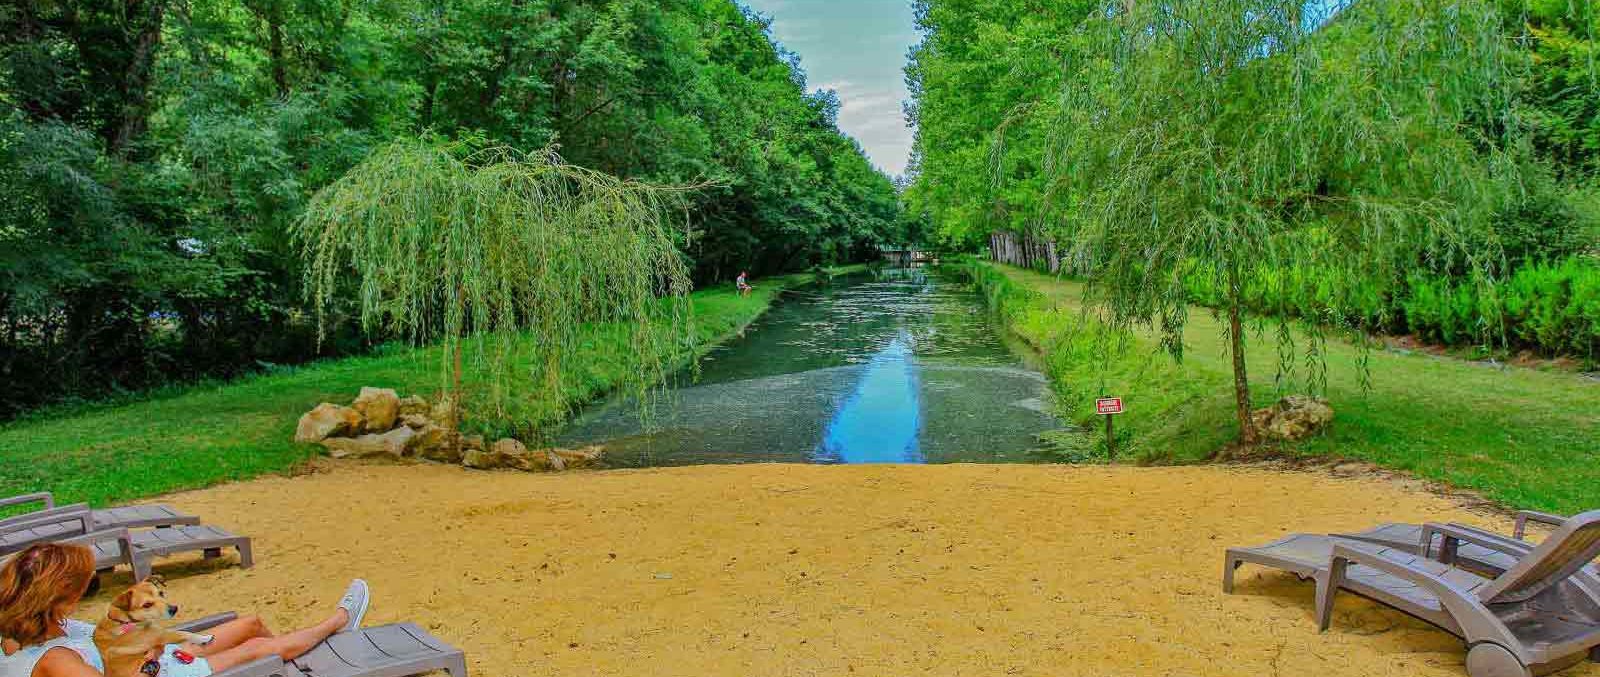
(78, 511)
(44, 497)
(1454, 534)
(1526, 516)
(1460, 603)
(207, 623)
(271, 666)
(1352, 553)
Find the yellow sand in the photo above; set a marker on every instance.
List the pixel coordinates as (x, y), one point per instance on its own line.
(803, 570)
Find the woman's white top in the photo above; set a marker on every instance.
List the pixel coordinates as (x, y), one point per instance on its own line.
(79, 638)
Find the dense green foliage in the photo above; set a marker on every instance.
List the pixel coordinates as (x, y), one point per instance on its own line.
(1520, 436)
(1354, 162)
(1548, 308)
(1029, 114)
(155, 153)
(245, 428)
(986, 71)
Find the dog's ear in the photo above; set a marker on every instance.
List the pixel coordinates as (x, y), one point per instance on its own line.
(123, 601)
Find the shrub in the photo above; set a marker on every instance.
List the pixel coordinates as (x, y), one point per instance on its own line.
(1548, 308)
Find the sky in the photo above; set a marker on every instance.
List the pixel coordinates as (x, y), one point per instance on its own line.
(858, 49)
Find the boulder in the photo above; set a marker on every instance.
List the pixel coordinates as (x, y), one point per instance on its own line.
(415, 421)
(472, 442)
(508, 453)
(327, 420)
(579, 458)
(393, 444)
(380, 406)
(514, 454)
(444, 410)
(1295, 417)
(414, 405)
(435, 443)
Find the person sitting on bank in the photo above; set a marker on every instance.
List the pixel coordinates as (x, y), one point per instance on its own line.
(43, 585)
(743, 283)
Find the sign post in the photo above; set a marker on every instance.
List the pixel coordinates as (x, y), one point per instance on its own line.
(1109, 407)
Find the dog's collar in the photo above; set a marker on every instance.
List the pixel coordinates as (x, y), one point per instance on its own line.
(125, 628)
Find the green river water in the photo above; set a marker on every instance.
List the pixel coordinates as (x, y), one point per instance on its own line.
(892, 366)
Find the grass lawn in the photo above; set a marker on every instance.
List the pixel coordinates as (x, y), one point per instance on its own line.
(1524, 437)
(214, 433)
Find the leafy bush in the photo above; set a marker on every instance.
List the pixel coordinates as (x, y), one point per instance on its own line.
(1548, 308)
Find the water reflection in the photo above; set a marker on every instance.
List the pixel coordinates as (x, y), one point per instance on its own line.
(881, 421)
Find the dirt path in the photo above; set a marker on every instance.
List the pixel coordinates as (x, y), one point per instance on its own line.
(807, 570)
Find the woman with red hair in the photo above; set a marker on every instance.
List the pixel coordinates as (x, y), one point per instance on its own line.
(41, 586)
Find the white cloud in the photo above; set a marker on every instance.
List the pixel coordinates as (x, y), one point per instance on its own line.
(856, 48)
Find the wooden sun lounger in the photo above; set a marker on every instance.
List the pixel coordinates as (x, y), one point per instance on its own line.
(131, 516)
(1542, 614)
(395, 650)
(137, 548)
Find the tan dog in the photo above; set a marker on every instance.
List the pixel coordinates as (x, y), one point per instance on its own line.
(130, 634)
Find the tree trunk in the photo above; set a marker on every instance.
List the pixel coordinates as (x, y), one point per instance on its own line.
(428, 93)
(280, 75)
(1241, 379)
(135, 85)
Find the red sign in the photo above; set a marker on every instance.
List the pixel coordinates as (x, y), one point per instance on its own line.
(1106, 406)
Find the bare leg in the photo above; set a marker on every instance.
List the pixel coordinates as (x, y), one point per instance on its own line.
(287, 647)
(231, 634)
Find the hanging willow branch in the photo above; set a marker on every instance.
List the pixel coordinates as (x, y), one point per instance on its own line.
(1281, 142)
(503, 258)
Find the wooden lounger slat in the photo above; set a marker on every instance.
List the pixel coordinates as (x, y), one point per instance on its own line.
(139, 516)
(396, 650)
(45, 532)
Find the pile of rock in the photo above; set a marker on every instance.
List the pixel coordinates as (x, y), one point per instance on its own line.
(1295, 417)
(380, 423)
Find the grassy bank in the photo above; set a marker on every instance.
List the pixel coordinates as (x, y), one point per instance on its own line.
(214, 433)
(1523, 437)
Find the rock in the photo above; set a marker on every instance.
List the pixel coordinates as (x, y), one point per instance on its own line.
(1295, 417)
(509, 453)
(502, 454)
(327, 420)
(414, 405)
(580, 458)
(444, 410)
(415, 421)
(380, 406)
(435, 443)
(516, 455)
(479, 459)
(393, 443)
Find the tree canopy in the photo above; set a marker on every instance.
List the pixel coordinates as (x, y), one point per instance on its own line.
(1274, 149)
(156, 154)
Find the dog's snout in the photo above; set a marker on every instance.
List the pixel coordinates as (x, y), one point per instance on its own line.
(172, 609)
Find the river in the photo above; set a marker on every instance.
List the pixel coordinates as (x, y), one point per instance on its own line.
(897, 365)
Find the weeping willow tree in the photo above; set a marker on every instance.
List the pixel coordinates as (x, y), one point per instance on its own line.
(1280, 143)
(501, 259)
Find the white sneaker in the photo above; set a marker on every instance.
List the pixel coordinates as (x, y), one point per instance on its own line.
(355, 601)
